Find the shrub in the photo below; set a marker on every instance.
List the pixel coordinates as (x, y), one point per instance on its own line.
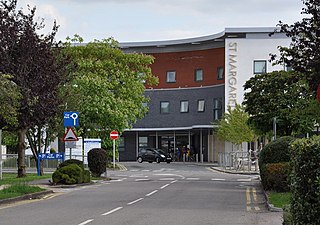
(86, 176)
(71, 161)
(70, 174)
(287, 216)
(277, 151)
(277, 177)
(97, 161)
(305, 181)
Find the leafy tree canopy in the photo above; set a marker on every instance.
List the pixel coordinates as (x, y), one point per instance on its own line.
(303, 54)
(9, 102)
(36, 68)
(283, 95)
(234, 126)
(108, 85)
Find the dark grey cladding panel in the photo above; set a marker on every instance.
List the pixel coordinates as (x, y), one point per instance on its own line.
(154, 119)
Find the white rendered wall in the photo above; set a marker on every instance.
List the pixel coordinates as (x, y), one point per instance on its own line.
(239, 56)
(240, 53)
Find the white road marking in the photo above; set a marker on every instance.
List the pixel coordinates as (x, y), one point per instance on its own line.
(86, 222)
(135, 201)
(218, 179)
(145, 170)
(172, 182)
(142, 179)
(166, 179)
(164, 186)
(138, 176)
(244, 180)
(151, 193)
(111, 211)
(192, 178)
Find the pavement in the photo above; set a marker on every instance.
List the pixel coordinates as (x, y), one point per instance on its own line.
(274, 216)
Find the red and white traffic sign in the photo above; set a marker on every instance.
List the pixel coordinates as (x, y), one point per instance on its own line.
(114, 135)
(70, 135)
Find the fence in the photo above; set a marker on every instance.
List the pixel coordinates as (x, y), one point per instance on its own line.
(9, 161)
(239, 160)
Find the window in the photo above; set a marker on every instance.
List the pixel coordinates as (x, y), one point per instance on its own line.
(201, 105)
(143, 142)
(164, 107)
(184, 106)
(171, 76)
(220, 73)
(217, 109)
(198, 75)
(260, 67)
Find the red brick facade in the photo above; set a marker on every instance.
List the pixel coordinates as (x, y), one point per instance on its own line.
(185, 64)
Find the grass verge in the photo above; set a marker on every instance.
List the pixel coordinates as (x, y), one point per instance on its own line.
(279, 199)
(14, 187)
(11, 178)
(16, 190)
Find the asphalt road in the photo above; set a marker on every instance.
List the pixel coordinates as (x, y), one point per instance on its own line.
(148, 194)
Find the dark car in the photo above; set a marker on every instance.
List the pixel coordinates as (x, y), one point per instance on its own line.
(153, 155)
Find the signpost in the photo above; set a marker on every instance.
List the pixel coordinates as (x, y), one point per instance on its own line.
(114, 135)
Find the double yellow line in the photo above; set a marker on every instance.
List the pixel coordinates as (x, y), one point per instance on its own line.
(252, 199)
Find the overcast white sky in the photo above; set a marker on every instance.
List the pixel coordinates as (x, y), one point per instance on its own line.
(152, 20)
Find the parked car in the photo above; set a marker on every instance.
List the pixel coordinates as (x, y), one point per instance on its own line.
(153, 155)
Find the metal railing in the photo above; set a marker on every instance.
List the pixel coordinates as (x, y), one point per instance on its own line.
(9, 161)
(239, 161)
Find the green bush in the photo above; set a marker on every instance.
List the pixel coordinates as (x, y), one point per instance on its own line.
(97, 161)
(277, 151)
(86, 176)
(277, 177)
(305, 181)
(70, 174)
(71, 161)
(287, 216)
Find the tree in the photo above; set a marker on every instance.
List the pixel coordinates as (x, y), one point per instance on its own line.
(303, 53)
(234, 127)
(283, 95)
(108, 86)
(35, 67)
(9, 101)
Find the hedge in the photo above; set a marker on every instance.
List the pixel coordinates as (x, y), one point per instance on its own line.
(277, 177)
(97, 161)
(305, 181)
(277, 151)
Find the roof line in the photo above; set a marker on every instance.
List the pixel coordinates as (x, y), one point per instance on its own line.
(195, 40)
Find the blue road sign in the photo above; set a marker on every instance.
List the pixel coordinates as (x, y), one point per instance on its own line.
(71, 119)
(49, 156)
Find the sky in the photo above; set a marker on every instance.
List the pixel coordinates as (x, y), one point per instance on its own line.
(159, 20)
